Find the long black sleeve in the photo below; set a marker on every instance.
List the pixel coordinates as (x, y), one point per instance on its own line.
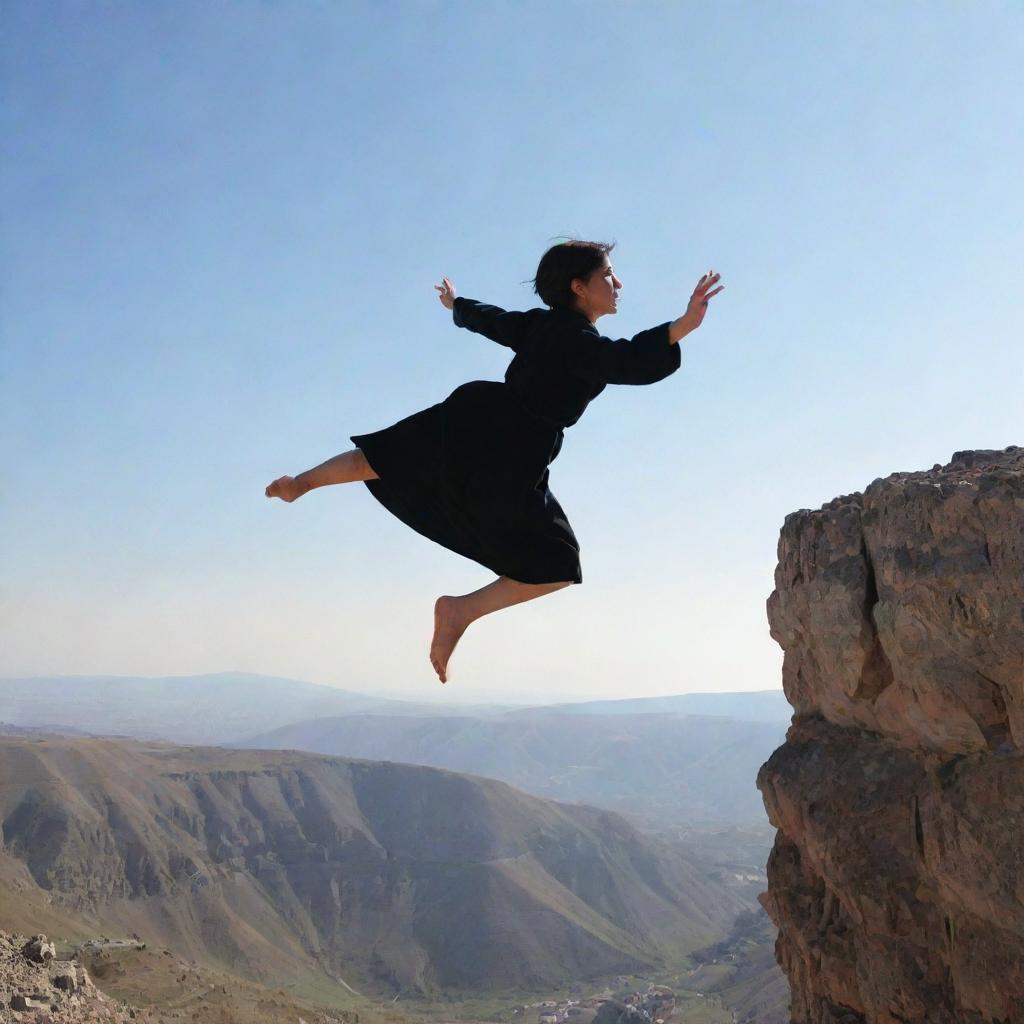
(645, 358)
(506, 328)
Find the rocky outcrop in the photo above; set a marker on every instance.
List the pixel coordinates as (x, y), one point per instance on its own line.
(897, 876)
(36, 986)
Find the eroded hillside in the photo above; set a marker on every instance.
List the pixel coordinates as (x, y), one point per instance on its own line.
(387, 877)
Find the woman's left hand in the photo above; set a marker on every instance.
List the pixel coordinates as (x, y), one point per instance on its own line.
(695, 308)
(446, 292)
(698, 304)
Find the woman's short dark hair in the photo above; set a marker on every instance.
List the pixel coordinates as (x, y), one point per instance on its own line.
(562, 264)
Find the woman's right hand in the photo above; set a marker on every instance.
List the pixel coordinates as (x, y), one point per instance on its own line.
(446, 293)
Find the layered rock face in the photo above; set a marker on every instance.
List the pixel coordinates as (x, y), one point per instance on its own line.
(897, 876)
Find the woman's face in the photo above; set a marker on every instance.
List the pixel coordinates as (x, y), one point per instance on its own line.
(598, 294)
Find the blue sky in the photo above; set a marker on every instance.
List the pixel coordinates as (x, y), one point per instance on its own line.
(222, 224)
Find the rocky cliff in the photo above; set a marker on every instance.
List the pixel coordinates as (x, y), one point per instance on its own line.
(897, 876)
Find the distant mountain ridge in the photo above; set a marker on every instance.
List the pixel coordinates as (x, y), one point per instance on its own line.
(211, 709)
(394, 877)
(665, 761)
(230, 707)
(663, 769)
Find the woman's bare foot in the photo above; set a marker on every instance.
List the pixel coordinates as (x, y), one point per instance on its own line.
(450, 623)
(287, 488)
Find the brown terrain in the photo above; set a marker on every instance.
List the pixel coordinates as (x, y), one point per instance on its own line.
(348, 882)
(35, 984)
(42, 983)
(896, 878)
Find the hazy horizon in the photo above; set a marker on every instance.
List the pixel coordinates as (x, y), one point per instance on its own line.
(441, 695)
(222, 228)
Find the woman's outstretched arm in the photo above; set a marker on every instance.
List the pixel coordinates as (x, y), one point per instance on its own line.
(647, 357)
(504, 327)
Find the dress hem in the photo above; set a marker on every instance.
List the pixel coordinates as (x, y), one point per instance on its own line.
(430, 526)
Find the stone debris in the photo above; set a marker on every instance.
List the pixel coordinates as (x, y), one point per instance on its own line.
(36, 987)
(38, 950)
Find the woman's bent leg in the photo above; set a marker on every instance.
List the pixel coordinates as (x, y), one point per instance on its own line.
(453, 615)
(342, 469)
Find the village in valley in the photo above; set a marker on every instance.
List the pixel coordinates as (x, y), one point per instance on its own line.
(654, 1006)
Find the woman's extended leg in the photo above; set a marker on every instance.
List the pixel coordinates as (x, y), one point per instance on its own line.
(452, 615)
(342, 469)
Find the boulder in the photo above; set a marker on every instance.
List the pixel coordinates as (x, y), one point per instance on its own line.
(36, 1001)
(65, 979)
(38, 950)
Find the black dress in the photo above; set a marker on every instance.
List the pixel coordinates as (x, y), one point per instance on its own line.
(471, 472)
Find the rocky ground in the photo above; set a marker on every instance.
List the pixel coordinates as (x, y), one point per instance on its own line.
(35, 986)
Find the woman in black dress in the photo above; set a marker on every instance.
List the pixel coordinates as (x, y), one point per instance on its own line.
(471, 472)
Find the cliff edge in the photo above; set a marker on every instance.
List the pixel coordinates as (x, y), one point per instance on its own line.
(896, 878)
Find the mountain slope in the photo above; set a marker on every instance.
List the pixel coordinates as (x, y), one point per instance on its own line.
(666, 769)
(390, 877)
(755, 706)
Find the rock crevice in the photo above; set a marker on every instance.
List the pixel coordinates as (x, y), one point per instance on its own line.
(896, 878)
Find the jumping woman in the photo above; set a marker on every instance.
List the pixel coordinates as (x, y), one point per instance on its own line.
(471, 472)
